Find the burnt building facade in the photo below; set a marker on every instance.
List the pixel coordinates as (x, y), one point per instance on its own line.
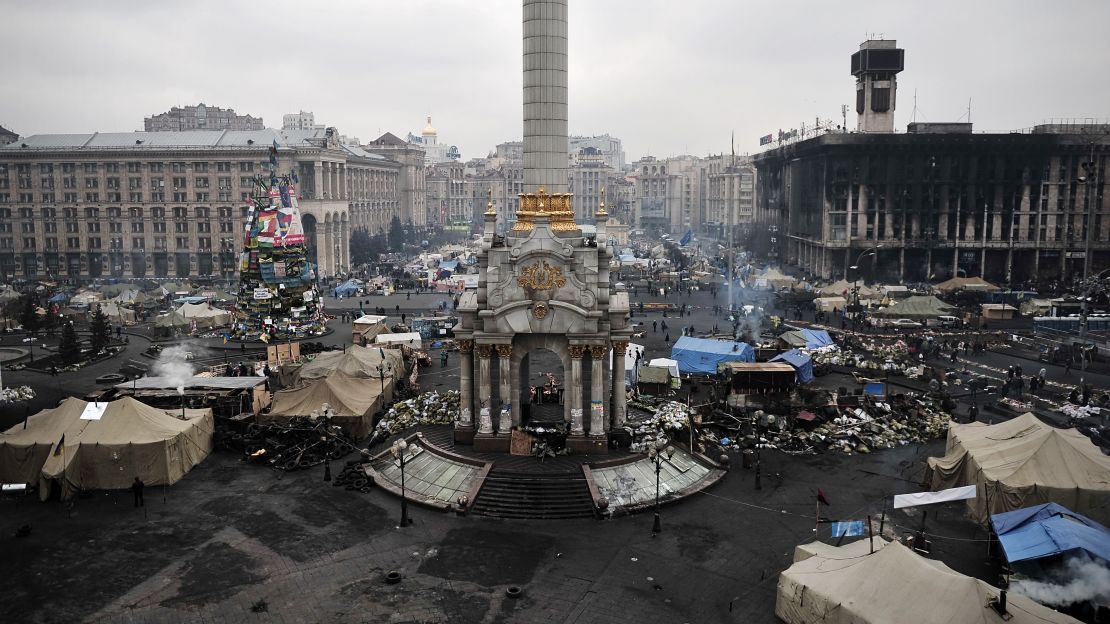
(940, 201)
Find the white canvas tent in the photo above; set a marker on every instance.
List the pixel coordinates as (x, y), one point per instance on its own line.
(410, 339)
(117, 313)
(105, 446)
(848, 585)
(1023, 462)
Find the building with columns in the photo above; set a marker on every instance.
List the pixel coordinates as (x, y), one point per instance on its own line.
(449, 199)
(413, 180)
(730, 196)
(172, 204)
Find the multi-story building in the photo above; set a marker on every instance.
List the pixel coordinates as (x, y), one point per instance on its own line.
(608, 147)
(304, 120)
(435, 153)
(414, 188)
(172, 204)
(941, 201)
(589, 174)
(7, 136)
(658, 205)
(938, 200)
(201, 117)
(730, 196)
(503, 187)
(449, 201)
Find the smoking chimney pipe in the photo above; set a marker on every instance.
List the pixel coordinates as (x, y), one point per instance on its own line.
(999, 605)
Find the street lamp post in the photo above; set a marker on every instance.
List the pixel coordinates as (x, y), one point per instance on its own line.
(328, 413)
(1090, 286)
(398, 450)
(871, 251)
(656, 454)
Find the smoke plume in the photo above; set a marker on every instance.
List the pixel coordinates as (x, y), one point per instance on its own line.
(172, 365)
(1079, 580)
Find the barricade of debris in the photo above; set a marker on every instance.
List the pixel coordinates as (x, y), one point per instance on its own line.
(429, 408)
(651, 421)
(869, 424)
(865, 354)
(295, 444)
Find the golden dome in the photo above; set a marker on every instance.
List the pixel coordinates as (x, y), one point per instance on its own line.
(428, 129)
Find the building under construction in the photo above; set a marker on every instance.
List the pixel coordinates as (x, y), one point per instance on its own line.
(938, 200)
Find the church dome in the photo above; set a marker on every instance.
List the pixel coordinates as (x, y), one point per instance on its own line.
(428, 129)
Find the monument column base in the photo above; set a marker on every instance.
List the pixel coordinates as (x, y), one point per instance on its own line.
(491, 442)
(588, 445)
(464, 434)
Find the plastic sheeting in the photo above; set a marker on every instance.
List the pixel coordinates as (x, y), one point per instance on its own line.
(1047, 531)
(801, 363)
(701, 356)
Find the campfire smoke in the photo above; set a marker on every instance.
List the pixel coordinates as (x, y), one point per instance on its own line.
(173, 366)
(1079, 580)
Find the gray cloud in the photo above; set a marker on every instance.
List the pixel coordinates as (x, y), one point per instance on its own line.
(666, 77)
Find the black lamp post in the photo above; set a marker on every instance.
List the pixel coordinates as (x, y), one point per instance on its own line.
(399, 450)
(328, 413)
(855, 285)
(656, 453)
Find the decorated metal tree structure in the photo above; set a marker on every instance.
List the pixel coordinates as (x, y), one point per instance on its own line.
(277, 297)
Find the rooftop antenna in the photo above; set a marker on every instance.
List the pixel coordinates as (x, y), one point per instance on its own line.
(913, 115)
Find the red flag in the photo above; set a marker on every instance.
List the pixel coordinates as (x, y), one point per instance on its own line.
(821, 497)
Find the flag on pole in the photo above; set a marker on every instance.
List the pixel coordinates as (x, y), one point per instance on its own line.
(686, 238)
(764, 140)
(821, 497)
(60, 448)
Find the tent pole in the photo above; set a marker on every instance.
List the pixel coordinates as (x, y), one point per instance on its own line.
(870, 535)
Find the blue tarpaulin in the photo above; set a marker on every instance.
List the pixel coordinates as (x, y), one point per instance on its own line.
(449, 265)
(800, 361)
(1049, 530)
(701, 356)
(59, 298)
(817, 338)
(347, 288)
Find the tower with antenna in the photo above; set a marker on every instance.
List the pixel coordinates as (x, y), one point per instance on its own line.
(876, 66)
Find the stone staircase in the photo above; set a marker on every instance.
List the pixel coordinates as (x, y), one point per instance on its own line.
(534, 495)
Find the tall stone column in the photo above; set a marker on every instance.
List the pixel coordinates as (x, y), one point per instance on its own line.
(504, 355)
(597, 383)
(619, 396)
(545, 95)
(324, 255)
(574, 387)
(485, 418)
(466, 383)
(317, 179)
(344, 243)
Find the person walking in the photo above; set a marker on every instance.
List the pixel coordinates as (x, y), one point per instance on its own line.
(1067, 367)
(137, 489)
(664, 325)
(443, 359)
(654, 326)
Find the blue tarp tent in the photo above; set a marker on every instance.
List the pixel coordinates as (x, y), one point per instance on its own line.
(59, 298)
(1049, 530)
(801, 363)
(449, 265)
(701, 356)
(817, 338)
(348, 288)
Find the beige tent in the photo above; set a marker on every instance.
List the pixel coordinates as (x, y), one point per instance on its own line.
(1023, 462)
(826, 304)
(848, 585)
(355, 361)
(205, 314)
(355, 400)
(117, 313)
(916, 308)
(965, 283)
(844, 288)
(128, 439)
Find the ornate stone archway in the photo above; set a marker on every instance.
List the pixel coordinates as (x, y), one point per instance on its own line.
(543, 286)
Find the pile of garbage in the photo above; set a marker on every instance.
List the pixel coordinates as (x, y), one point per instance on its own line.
(430, 408)
(16, 393)
(657, 421)
(871, 355)
(1079, 412)
(296, 444)
(875, 424)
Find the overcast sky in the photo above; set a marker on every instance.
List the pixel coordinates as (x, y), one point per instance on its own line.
(667, 77)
